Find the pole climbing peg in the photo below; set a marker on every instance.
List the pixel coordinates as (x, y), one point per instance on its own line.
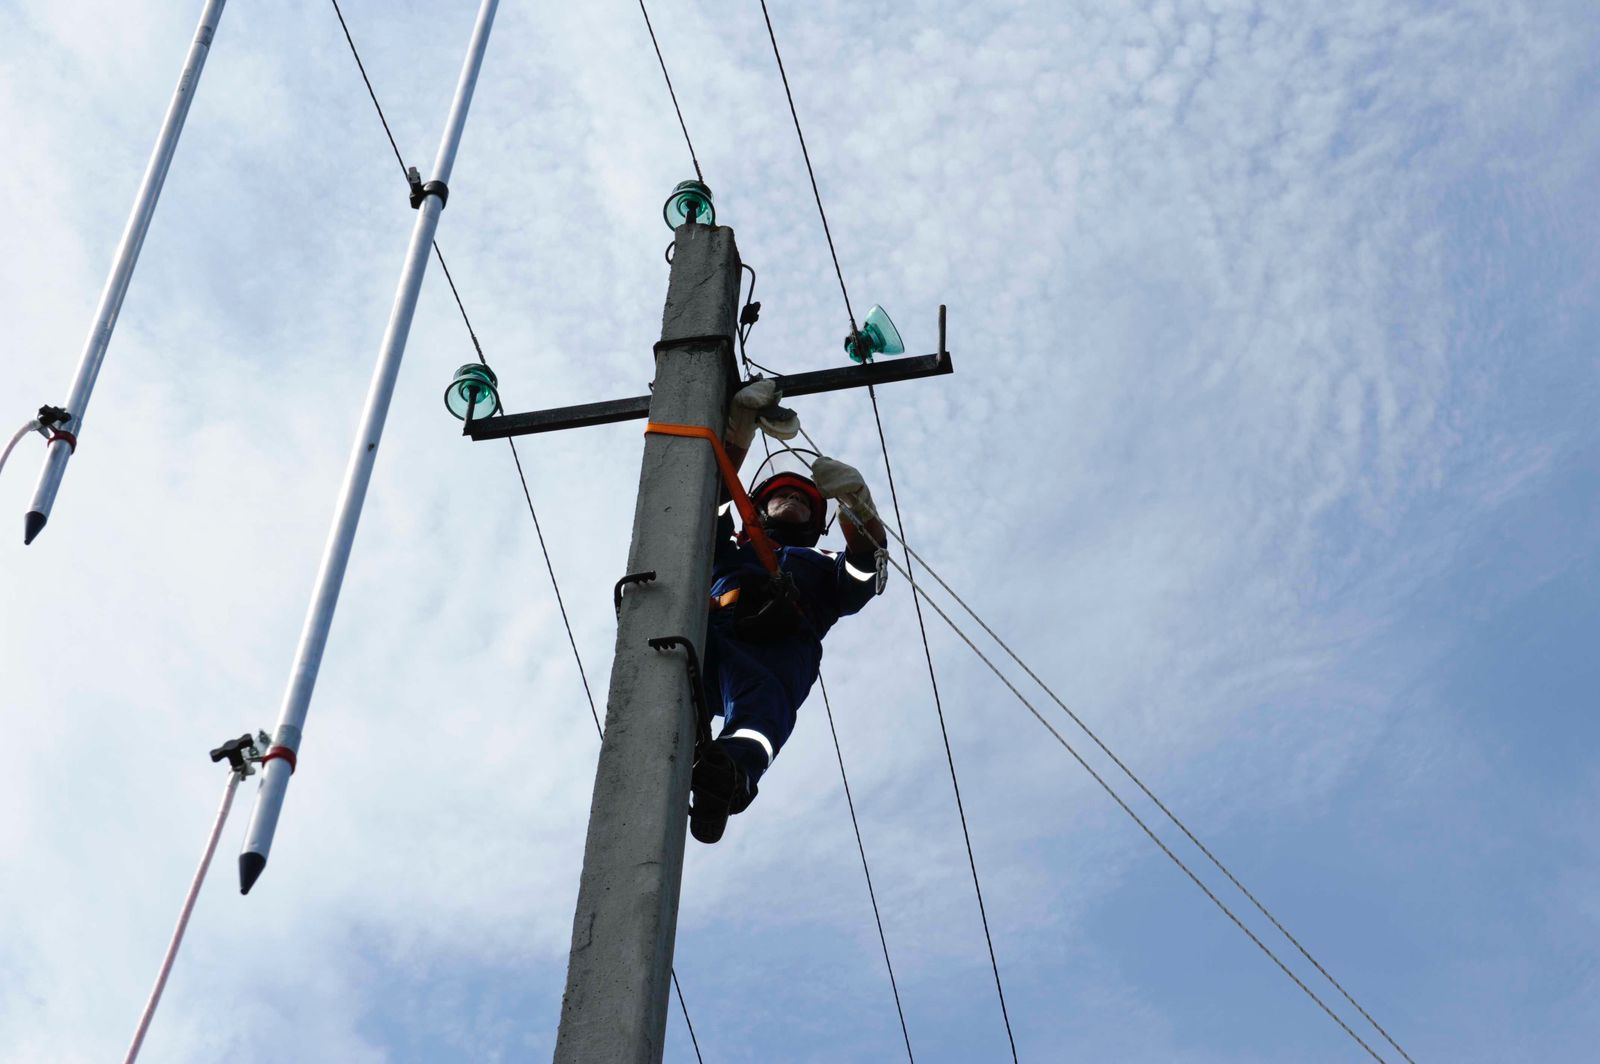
(702, 712)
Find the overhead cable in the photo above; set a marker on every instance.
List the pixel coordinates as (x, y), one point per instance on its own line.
(1148, 793)
(920, 592)
(1137, 819)
(865, 870)
(933, 680)
(778, 55)
(681, 123)
(944, 732)
(855, 823)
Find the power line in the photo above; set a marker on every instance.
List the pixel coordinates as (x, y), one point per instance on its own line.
(1137, 819)
(872, 392)
(478, 350)
(983, 914)
(1170, 815)
(933, 679)
(918, 591)
(944, 732)
(866, 871)
(681, 123)
(368, 82)
(855, 824)
(809, 171)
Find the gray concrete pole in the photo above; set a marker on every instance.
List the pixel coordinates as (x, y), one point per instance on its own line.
(614, 1010)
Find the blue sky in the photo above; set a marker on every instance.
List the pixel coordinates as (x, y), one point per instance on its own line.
(1270, 446)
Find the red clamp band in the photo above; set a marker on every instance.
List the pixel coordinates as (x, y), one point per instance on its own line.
(69, 438)
(280, 752)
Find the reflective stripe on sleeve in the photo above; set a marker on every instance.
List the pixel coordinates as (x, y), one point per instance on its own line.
(862, 575)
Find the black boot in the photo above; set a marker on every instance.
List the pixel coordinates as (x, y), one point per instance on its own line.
(717, 788)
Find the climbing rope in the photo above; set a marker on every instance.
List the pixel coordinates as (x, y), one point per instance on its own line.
(33, 425)
(183, 917)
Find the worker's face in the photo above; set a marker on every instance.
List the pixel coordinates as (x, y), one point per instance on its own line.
(789, 506)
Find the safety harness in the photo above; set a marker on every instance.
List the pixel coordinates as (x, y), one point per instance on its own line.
(772, 609)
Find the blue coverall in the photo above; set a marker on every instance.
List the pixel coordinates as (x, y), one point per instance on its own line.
(759, 685)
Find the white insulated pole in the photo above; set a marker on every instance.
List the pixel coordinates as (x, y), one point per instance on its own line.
(279, 762)
(63, 441)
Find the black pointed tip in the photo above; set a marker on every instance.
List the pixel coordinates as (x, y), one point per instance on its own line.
(32, 525)
(251, 866)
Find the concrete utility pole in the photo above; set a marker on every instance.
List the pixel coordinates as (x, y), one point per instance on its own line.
(614, 1010)
(620, 970)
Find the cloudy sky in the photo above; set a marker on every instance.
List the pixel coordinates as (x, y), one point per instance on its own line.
(1271, 447)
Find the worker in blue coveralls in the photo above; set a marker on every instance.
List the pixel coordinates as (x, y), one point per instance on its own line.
(764, 641)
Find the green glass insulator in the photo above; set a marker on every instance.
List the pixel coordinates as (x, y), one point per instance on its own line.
(877, 336)
(475, 388)
(689, 200)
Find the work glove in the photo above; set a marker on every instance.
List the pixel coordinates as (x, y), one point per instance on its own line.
(756, 404)
(836, 480)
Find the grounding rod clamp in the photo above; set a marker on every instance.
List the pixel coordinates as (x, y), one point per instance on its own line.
(242, 752)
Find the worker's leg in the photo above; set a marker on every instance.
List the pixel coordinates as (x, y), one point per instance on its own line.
(758, 711)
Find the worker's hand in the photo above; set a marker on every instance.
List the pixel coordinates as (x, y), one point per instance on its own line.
(836, 480)
(757, 394)
(779, 422)
(742, 411)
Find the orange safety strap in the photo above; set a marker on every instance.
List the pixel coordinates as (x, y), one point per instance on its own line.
(747, 509)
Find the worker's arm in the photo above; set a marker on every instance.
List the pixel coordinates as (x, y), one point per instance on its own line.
(863, 539)
(864, 534)
(858, 570)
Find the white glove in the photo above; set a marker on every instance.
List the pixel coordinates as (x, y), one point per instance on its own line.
(836, 480)
(747, 401)
(779, 422)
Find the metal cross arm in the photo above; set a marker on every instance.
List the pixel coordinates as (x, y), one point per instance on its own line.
(792, 385)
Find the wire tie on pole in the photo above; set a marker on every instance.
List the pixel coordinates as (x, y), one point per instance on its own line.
(420, 191)
(280, 753)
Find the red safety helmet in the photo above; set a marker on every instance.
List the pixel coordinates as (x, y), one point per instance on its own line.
(792, 535)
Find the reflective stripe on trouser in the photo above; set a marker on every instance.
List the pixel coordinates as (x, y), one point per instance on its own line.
(755, 701)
